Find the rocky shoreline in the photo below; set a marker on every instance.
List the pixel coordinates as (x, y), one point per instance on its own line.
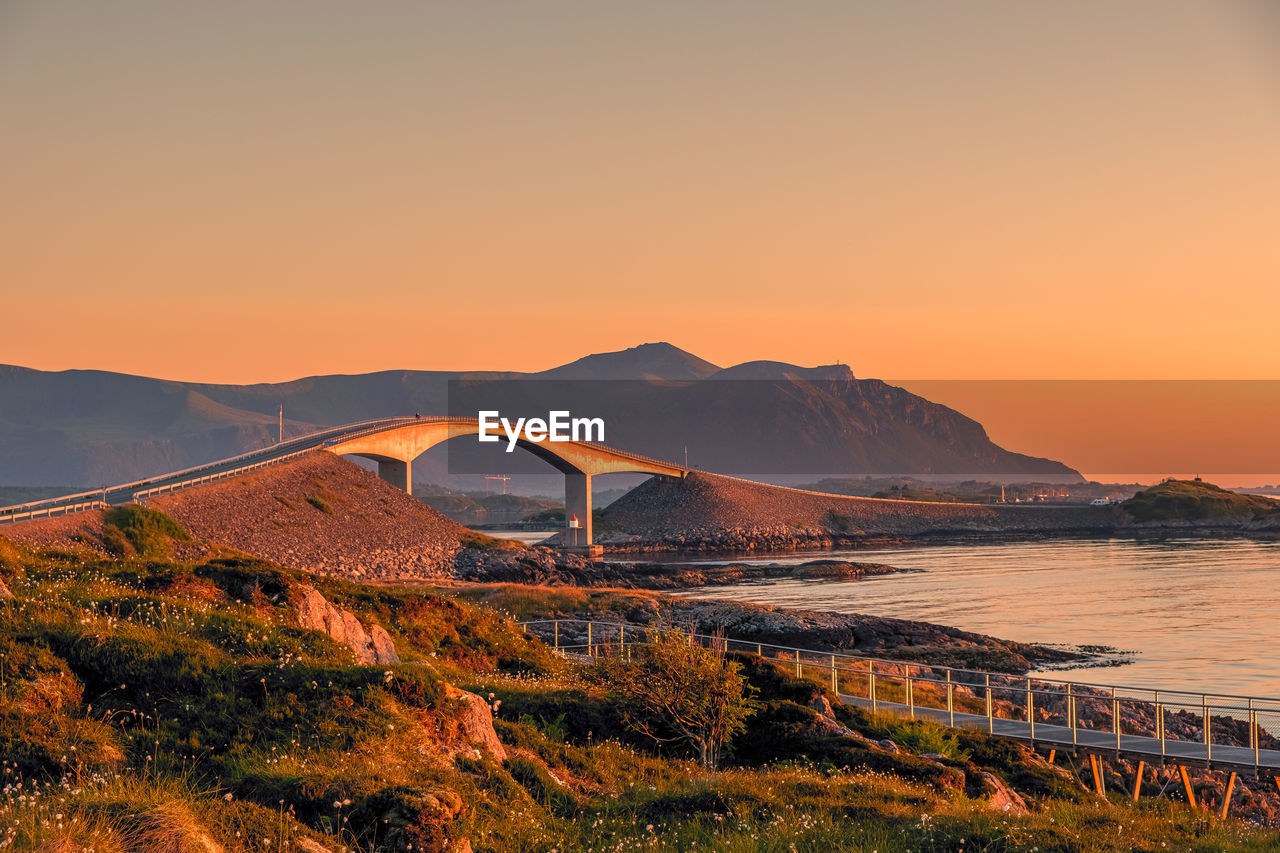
(852, 633)
(543, 566)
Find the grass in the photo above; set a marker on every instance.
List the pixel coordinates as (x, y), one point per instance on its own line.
(148, 704)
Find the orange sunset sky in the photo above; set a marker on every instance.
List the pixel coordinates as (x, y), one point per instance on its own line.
(245, 191)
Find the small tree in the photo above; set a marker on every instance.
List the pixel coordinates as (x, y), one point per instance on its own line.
(676, 691)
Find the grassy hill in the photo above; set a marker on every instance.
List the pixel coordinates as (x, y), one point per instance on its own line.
(1195, 500)
(150, 704)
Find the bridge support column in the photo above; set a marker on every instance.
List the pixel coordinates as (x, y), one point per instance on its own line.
(397, 473)
(577, 504)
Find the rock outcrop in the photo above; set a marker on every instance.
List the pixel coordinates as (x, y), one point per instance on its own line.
(371, 645)
(475, 719)
(1000, 797)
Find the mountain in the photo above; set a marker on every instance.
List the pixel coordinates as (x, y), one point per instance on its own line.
(647, 361)
(760, 418)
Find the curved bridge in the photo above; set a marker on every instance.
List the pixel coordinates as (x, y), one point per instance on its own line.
(394, 447)
(393, 443)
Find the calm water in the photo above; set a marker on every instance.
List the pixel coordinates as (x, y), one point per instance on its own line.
(528, 537)
(1202, 615)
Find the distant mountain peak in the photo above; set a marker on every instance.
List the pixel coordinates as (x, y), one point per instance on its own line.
(659, 360)
(779, 370)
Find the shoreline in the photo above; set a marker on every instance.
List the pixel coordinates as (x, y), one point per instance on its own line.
(819, 543)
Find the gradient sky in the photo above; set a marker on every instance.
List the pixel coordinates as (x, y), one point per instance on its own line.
(248, 191)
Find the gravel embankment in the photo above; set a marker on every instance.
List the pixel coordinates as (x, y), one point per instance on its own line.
(321, 513)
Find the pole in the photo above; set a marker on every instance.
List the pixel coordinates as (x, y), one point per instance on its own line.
(557, 635)
(281, 437)
(1031, 712)
(991, 718)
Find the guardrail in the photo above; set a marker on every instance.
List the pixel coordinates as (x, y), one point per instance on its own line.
(46, 511)
(1178, 725)
(221, 475)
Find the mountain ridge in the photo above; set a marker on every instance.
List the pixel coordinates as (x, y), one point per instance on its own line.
(93, 427)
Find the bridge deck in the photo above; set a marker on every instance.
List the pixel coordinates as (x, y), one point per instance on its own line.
(1091, 740)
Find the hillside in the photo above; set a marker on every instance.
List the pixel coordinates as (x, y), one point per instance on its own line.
(93, 428)
(1197, 501)
(227, 705)
(317, 513)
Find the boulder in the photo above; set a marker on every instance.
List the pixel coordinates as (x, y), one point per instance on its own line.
(1000, 797)
(476, 721)
(373, 646)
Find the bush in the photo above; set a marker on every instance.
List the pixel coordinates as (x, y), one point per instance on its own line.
(138, 530)
(676, 691)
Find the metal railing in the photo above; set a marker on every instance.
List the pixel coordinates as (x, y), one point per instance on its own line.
(1177, 725)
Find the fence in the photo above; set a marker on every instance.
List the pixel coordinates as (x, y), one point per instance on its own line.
(1175, 724)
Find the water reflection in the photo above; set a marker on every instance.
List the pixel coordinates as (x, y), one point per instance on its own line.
(1202, 613)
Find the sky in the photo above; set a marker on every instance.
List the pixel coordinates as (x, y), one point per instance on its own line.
(244, 191)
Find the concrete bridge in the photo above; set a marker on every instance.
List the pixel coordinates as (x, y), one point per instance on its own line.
(393, 443)
(394, 447)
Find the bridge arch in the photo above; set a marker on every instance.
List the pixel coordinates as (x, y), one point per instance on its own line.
(395, 447)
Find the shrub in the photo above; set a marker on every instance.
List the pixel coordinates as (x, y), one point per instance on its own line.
(140, 530)
(320, 504)
(676, 691)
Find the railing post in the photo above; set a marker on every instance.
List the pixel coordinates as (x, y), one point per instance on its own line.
(1115, 717)
(1071, 714)
(588, 638)
(911, 697)
(760, 649)
(799, 671)
(1208, 738)
(1031, 715)
(557, 627)
(991, 708)
(951, 707)
(871, 683)
(1253, 732)
(835, 684)
(1160, 723)
(622, 639)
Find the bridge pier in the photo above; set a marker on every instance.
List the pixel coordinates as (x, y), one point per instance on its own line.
(398, 473)
(577, 504)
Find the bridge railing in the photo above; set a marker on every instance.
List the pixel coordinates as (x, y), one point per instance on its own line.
(1177, 724)
(38, 509)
